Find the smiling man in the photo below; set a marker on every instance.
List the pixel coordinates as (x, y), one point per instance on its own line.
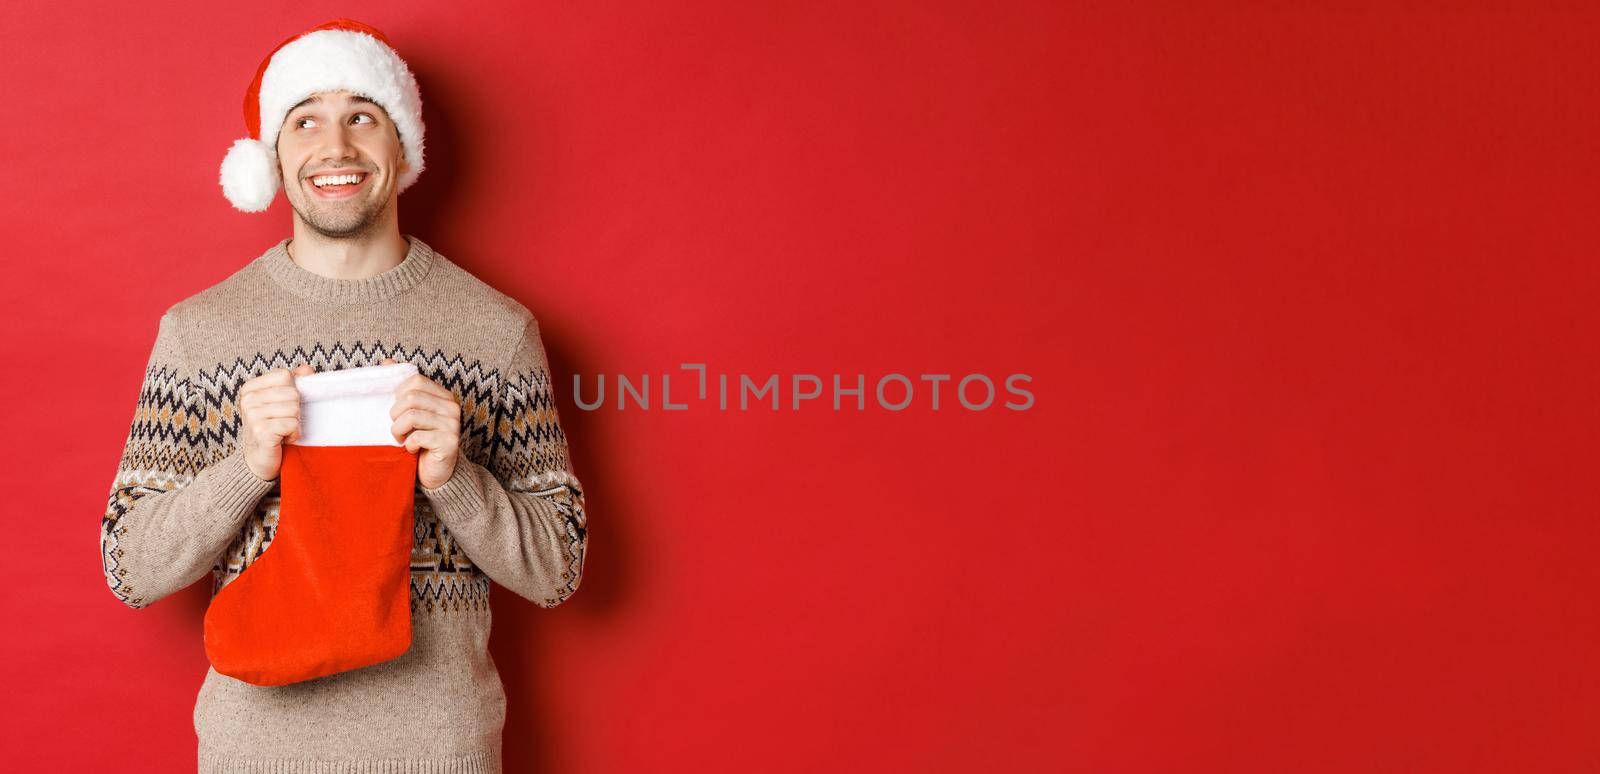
(334, 117)
(343, 198)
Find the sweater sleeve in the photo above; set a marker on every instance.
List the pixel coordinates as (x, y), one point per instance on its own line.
(170, 514)
(521, 518)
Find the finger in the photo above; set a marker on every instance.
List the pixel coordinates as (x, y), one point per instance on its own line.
(414, 441)
(447, 408)
(418, 382)
(435, 443)
(270, 396)
(275, 409)
(416, 400)
(277, 428)
(414, 420)
(273, 378)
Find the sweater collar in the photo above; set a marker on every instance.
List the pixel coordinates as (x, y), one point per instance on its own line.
(337, 292)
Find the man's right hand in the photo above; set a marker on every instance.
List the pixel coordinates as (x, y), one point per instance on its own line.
(269, 416)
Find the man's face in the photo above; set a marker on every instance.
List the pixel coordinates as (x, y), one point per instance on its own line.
(339, 133)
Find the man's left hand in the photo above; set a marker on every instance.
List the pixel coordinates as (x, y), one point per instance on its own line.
(427, 419)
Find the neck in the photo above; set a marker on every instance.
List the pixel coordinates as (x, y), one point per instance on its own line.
(358, 257)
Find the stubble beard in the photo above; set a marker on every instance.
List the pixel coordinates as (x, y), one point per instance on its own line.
(338, 220)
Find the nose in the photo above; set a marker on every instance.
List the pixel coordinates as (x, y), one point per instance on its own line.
(338, 145)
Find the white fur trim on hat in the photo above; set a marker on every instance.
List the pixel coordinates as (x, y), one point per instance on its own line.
(250, 175)
(325, 60)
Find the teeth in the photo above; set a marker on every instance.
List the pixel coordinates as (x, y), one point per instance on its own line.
(323, 180)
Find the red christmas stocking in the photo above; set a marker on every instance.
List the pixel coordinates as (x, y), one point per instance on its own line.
(331, 592)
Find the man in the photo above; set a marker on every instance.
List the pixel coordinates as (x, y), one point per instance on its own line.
(335, 120)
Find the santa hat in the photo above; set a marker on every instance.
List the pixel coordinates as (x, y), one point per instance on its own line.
(339, 55)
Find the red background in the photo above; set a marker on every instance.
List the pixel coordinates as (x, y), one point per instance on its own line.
(1308, 300)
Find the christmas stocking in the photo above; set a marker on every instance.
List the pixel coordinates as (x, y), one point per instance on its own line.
(331, 592)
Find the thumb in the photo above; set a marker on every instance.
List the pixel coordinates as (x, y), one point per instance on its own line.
(303, 369)
(387, 361)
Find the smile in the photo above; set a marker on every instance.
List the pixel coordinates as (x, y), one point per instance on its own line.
(338, 186)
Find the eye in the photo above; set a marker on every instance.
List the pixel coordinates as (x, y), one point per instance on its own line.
(301, 120)
(369, 117)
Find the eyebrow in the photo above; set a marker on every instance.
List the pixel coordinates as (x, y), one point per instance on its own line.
(317, 98)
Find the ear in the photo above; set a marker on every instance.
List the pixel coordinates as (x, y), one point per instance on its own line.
(400, 145)
(278, 157)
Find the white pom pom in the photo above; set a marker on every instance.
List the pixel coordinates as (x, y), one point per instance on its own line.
(249, 175)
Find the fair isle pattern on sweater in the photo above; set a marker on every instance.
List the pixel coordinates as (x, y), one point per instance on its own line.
(164, 449)
(509, 426)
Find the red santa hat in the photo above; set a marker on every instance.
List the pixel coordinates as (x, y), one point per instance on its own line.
(339, 55)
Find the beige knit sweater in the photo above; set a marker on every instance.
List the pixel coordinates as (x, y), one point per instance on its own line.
(184, 503)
